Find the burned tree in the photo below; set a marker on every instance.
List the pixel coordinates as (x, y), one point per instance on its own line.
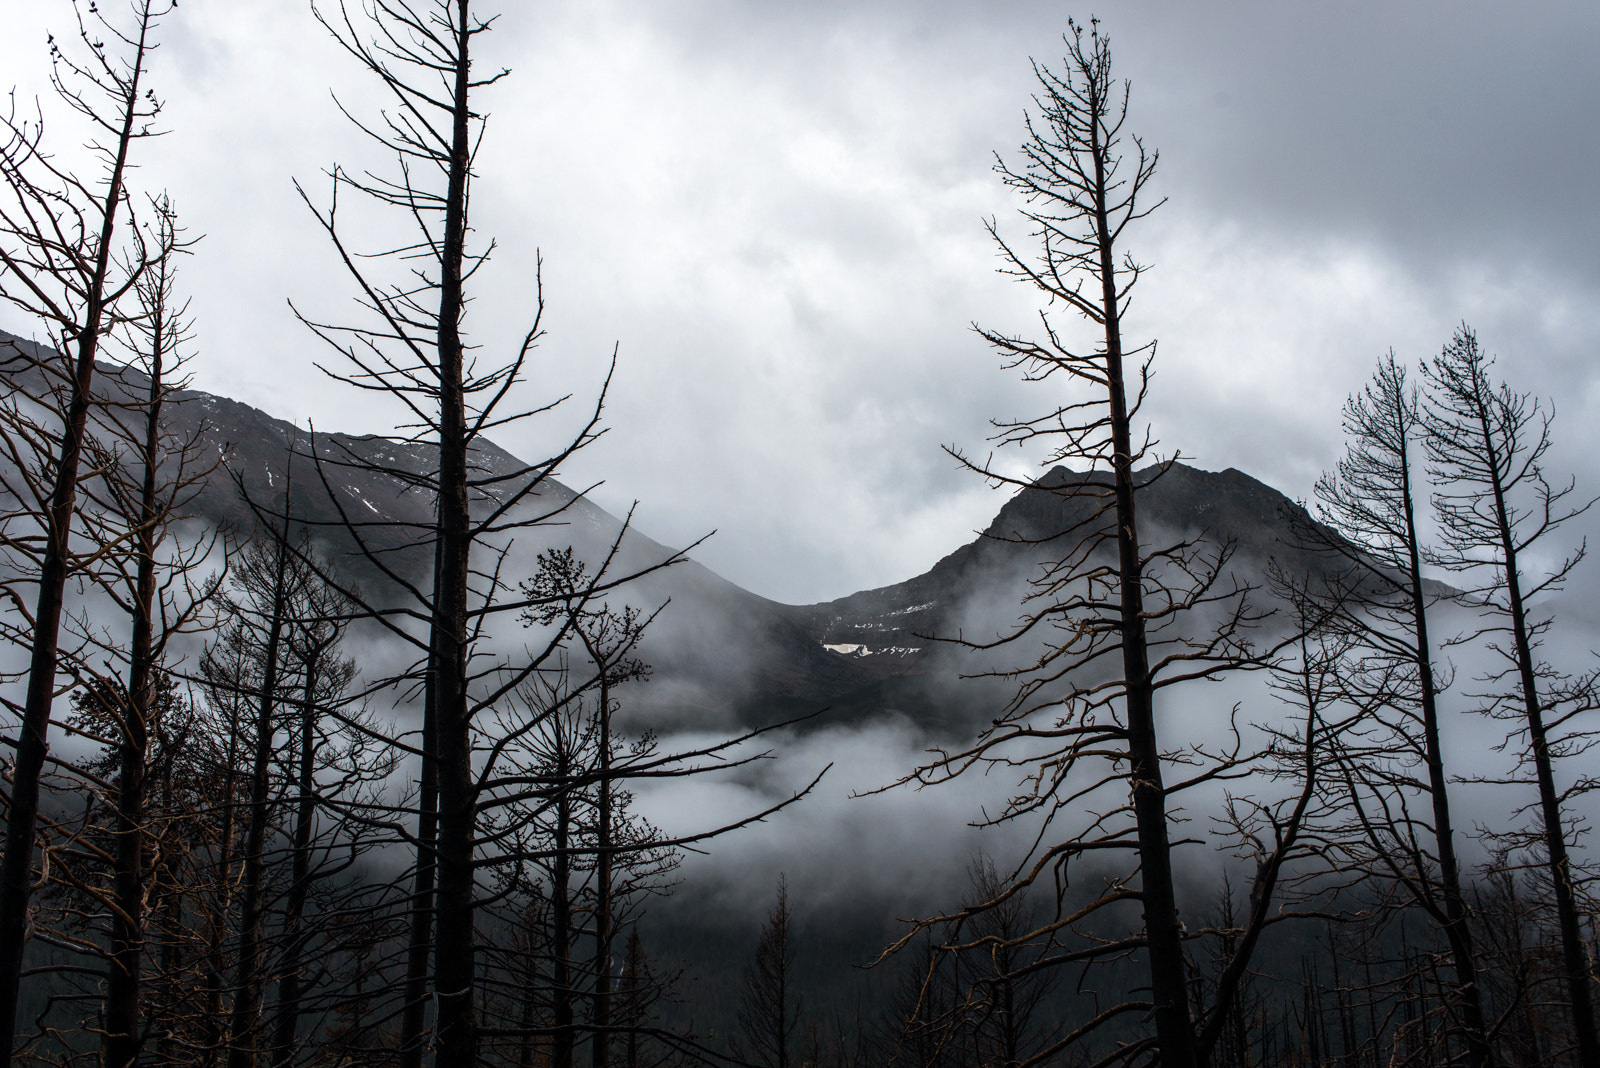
(559, 828)
(1109, 621)
(263, 615)
(146, 478)
(61, 268)
(414, 349)
(335, 765)
(625, 863)
(980, 997)
(1373, 587)
(1496, 508)
(415, 353)
(768, 1010)
(147, 586)
(312, 767)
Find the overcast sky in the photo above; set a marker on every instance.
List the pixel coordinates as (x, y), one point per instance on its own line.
(775, 210)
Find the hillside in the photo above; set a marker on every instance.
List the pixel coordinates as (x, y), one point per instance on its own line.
(720, 653)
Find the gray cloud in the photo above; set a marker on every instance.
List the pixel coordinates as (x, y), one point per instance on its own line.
(775, 209)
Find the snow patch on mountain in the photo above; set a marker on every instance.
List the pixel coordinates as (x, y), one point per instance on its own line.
(852, 649)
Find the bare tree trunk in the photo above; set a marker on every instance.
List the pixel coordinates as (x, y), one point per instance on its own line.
(1574, 962)
(1174, 1026)
(168, 896)
(602, 876)
(286, 1035)
(532, 924)
(632, 981)
(561, 915)
(419, 944)
(122, 1040)
(248, 979)
(1371, 502)
(215, 1030)
(434, 371)
(1082, 191)
(127, 914)
(16, 881)
(1486, 442)
(1458, 934)
(454, 973)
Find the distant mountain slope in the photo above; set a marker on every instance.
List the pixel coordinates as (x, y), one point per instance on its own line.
(976, 591)
(720, 652)
(1185, 502)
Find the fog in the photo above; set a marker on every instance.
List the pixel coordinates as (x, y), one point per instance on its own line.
(867, 836)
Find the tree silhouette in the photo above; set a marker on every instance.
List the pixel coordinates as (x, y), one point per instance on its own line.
(1486, 446)
(768, 1012)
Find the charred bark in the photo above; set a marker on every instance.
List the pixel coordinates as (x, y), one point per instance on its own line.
(81, 270)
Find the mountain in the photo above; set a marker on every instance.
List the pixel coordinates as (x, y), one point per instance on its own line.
(902, 634)
(720, 653)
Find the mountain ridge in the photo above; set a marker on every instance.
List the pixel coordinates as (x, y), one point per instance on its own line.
(724, 651)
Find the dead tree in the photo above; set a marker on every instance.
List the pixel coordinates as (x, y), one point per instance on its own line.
(624, 863)
(1275, 836)
(314, 770)
(557, 820)
(317, 751)
(415, 350)
(1110, 621)
(421, 53)
(141, 479)
(994, 1013)
(190, 776)
(146, 480)
(917, 1020)
(1495, 507)
(227, 666)
(122, 1037)
(58, 242)
(564, 740)
(76, 912)
(769, 1014)
(1374, 588)
(639, 990)
(268, 583)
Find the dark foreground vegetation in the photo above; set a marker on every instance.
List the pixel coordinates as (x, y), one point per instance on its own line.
(232, 842)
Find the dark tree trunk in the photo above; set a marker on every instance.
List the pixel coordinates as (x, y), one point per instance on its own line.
(1458, 935)
(1573, 959)
(602, 876)
(1163, 932)
(1485, 444)
(633, 982)
(561, 914)
(454, 972)
(532, 924)
(16, 867)
(122, 1040)
(248, 978)
(286, 1033)
(169, 893)
(214, 1026)
(419, 946)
